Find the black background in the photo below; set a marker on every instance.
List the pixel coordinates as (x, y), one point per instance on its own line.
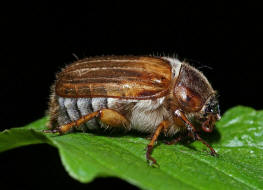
(38, 39)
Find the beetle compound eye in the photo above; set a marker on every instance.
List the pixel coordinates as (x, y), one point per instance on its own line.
(212, 105)
(189, 100)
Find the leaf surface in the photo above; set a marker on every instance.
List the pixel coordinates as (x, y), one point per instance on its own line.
(238, 141)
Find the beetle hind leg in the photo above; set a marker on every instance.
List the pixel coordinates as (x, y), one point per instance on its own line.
(107, 116)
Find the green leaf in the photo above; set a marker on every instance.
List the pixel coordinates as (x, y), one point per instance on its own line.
(238, 141)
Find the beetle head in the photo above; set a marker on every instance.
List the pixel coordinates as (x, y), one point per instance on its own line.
(210, 113)
(191, 89)
(195, 96)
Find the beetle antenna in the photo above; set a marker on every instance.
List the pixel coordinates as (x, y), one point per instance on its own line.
(75, 56)
(205, 66)
(201, 66)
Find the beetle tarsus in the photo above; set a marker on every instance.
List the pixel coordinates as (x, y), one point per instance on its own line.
(212, 151)
(151, 161)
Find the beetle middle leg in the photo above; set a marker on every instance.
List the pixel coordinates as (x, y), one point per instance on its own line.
(162, 126)
(108, 116)
(192, 131)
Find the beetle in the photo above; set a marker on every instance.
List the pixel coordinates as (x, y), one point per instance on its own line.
(154, 95)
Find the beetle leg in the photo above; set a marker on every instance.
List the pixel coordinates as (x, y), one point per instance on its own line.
(162, 126)
(191, 129)
(107, 116)
(65, 128)
(174, 141)
(208, 125)
(112, 118)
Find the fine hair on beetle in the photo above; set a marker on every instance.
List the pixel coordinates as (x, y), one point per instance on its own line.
(153, 95)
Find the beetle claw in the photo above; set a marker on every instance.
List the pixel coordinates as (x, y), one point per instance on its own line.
(213, 153)
(152, 162)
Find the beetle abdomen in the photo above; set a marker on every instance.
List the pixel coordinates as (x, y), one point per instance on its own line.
(143, 115)
(71, 109)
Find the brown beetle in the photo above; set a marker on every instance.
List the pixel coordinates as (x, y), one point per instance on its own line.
(149, 94)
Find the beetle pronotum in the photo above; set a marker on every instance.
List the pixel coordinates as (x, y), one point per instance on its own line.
(149, 94)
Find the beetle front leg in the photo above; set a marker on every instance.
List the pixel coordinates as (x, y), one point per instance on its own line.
(192, 131)
(108, 116)
(162, 126)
